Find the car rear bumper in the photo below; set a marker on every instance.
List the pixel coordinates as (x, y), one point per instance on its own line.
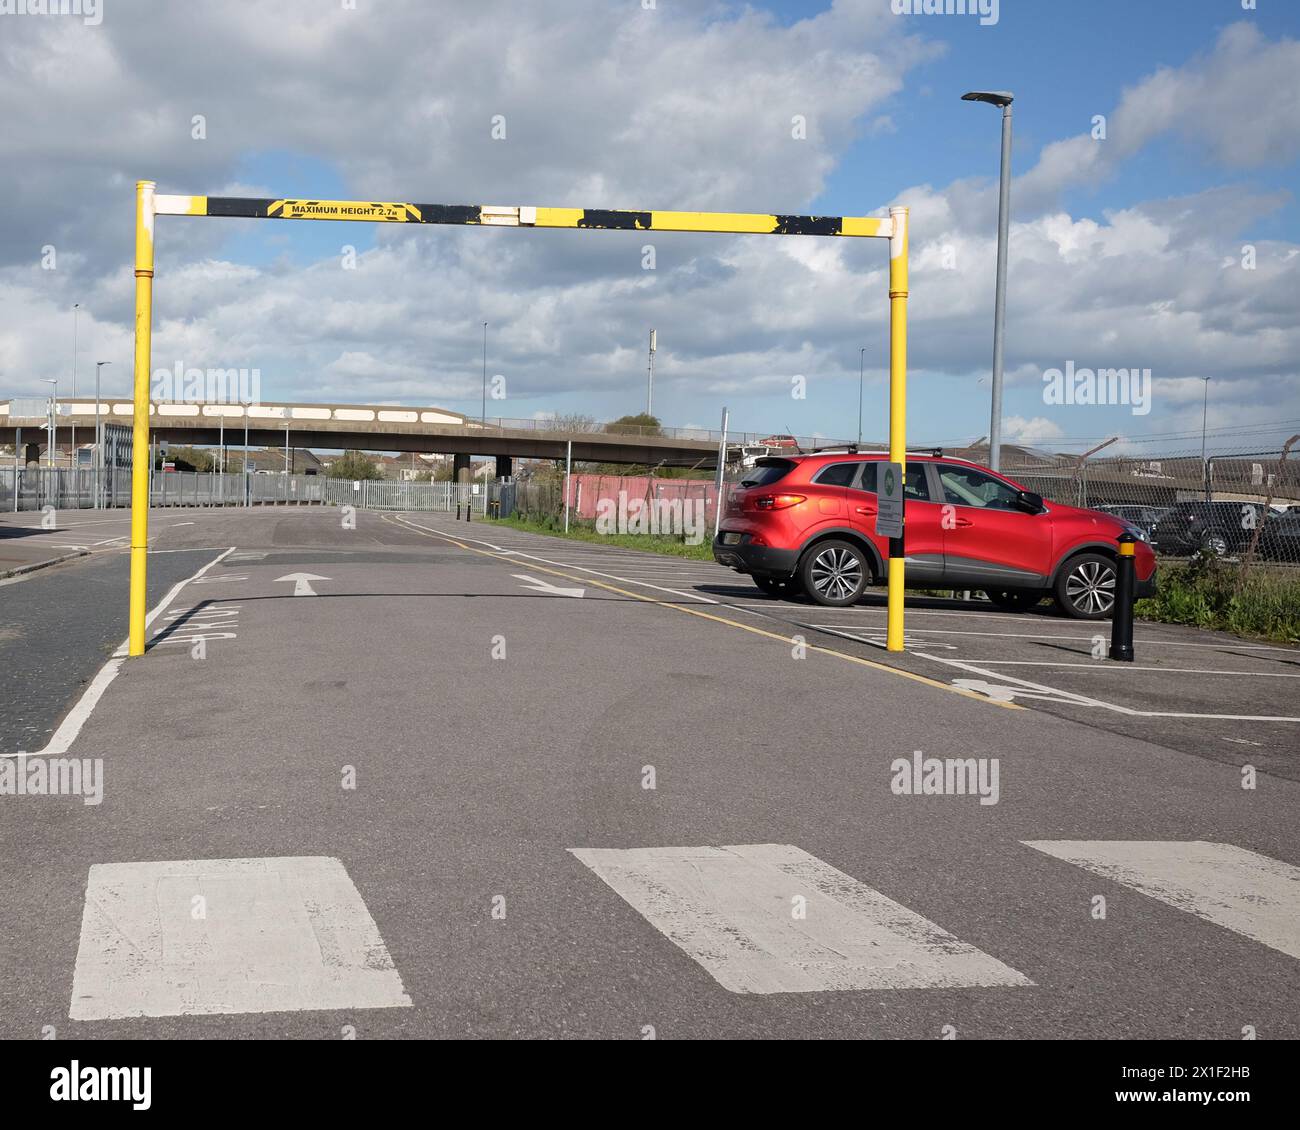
(762, 560)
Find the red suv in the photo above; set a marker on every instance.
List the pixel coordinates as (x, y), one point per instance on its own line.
(807, 523)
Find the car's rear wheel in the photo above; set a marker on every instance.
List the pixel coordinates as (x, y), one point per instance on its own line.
(1014, 599)
(779, 587)
(835, 573)
(1085, 588)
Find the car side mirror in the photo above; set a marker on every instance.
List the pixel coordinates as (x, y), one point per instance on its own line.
(1030, 502)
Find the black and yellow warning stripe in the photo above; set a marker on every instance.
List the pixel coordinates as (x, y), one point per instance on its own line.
(488, 215)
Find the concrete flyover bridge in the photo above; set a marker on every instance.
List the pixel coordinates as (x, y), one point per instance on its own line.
(376, 427)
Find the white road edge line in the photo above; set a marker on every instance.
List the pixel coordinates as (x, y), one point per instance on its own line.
(62, 738)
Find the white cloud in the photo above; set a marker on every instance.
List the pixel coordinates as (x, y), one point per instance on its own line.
(609, 104)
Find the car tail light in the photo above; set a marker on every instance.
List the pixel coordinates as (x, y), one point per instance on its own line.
(777, 501)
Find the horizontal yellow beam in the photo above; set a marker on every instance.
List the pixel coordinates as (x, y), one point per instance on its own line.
(487, 215)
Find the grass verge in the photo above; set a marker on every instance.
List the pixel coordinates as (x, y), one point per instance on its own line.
(583, 530)
(1208, 594)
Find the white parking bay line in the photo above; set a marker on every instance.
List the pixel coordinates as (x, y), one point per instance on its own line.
(207, 936)
(1224, 884)
(1057, 694)
(770, 918)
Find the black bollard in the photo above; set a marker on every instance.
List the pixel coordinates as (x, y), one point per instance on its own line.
(1121, 624)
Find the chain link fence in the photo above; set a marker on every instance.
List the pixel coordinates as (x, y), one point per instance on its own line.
(38, 488)
(1241, 505)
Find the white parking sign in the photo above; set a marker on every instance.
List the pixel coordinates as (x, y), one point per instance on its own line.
(889, 500)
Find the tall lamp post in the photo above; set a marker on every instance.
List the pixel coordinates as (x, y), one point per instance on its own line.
(54, 414)
(1002, 98)
(99, 440)
(484, 420)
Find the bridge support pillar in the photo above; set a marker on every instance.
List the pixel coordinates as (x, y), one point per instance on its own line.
(505, 467)
(33, 453)
(460, 468)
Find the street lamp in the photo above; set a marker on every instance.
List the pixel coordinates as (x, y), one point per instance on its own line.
(484, 421)
(54, 415)
(1002, 98)
(99, 440)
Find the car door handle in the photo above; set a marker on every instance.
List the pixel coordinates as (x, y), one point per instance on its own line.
(865, 509)
(958, 522)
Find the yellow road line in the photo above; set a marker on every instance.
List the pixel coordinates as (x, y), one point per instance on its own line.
(709, 616)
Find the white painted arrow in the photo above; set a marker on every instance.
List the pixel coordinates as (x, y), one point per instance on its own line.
(546, 587)
(301, 582)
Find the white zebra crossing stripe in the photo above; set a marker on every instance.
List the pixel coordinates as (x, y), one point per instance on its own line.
(228, 936)
(735, 910)
(1224, 884)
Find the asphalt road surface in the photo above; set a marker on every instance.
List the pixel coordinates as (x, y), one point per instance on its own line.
(402, 779)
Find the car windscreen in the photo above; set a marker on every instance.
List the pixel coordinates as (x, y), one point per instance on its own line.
(766, 472)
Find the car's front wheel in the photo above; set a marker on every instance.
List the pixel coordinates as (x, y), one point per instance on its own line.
(1085, 588)
(1014, 600)
(835, 573)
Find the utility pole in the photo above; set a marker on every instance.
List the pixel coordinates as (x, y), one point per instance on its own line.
(76, 306)
(862, 360)
(720, 484)
(99, 439)
(53, 382)
(484, 417)
(1205, 411)
(650, 384)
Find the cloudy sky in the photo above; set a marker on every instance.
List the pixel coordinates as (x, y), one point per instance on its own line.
(1169, 243)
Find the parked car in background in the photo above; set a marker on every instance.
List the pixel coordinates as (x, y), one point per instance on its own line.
(1221, 528)
(1142, 518)
(807, 524)
(1280, 538)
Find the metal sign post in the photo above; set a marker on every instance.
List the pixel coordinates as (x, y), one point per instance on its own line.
(149, 205)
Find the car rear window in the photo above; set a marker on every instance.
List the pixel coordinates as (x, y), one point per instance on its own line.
(836, 474)
(766, 472)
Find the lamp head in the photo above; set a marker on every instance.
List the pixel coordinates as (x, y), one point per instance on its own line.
(992, 97)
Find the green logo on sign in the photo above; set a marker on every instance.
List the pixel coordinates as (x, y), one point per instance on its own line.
(889, 480)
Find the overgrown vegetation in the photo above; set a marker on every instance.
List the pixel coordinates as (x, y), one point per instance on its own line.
(353, 465)
(1206, 593)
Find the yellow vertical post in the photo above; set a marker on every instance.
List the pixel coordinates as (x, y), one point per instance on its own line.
(897, 410)
(144, 218)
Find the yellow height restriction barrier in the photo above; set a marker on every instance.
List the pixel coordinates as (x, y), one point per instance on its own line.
(150, 204)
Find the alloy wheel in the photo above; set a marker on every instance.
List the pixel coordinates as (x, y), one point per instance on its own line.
(837, 573)
(1091, 587)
